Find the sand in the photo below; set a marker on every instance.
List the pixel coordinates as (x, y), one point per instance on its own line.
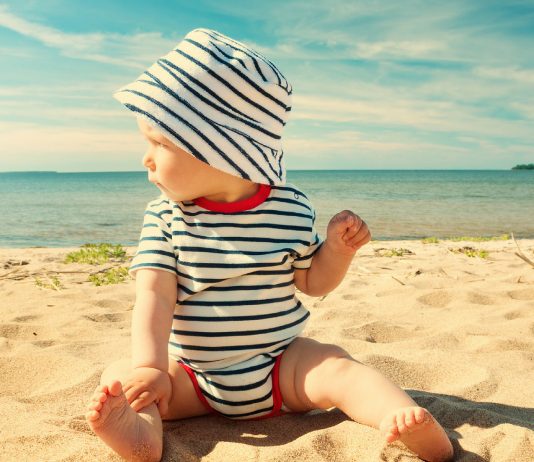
(456, 332)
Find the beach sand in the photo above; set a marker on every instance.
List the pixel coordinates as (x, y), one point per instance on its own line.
(456, 332)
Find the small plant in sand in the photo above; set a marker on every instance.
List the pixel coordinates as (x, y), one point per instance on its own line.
(502, 237)
(430, 240)
(472, 252)
(111, 276)
(52, 283)
(394, 252)
(95, 254)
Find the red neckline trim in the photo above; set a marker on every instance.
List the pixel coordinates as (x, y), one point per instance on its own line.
(238, 206)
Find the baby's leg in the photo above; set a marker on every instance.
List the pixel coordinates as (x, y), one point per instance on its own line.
(315, 375)
(138, 435)
(135, 436)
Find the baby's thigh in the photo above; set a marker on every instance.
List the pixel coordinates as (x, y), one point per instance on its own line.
(308, 373)
(184, 400)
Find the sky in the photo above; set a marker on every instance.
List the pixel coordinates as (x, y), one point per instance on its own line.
(376, 84)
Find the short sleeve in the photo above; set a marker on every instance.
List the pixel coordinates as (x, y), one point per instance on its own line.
(304, 259)
(155, 249)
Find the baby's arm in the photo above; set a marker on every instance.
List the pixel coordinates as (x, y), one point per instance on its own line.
(156, 293)
(346, 233)
(155, 300)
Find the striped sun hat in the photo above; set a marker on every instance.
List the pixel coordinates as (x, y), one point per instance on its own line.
(220, 101)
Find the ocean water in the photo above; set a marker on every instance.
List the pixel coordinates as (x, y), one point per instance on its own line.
(69, 209)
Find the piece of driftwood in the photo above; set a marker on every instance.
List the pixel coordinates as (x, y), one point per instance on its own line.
(26, 274)
(398, 280)
(520, 253)
(17, 276)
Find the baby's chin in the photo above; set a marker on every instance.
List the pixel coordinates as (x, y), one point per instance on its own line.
(173, 196)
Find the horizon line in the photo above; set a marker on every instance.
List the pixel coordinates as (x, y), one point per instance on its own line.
(288, 170)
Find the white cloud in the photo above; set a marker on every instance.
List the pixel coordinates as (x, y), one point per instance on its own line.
(506, 73)
(136, 51)
(419, 115)
(23, 109)
(403, 49)
(14, 52)
(35, 139)
(27, 94)
(48, 35)
(348, 141)
(527, 110)
(339, 109)
(459, 33)
(345, 48)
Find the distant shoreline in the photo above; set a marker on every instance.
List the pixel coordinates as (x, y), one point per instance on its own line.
(449, 240)
(30, 171)
(517, 167)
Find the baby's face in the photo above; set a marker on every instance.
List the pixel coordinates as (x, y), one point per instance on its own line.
(179, 175)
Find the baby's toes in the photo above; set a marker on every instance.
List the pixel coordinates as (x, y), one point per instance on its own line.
(421, 414)
(100, 389)
(392, 434)
(388, 428)
(98, 397)
(400, 420)
(95, 406)
(409, 418)
(96, 402)
(92, 415)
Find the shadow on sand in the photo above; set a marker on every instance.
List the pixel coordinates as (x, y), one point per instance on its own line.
(192, 439)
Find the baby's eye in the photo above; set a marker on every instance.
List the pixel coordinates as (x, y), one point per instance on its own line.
(159, 145)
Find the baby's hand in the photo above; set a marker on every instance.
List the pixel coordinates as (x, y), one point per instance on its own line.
(148, 385)
(346, 233)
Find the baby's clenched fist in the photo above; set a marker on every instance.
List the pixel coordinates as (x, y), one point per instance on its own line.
(346, 233)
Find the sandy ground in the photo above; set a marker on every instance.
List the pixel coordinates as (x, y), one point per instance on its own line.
(456, 332)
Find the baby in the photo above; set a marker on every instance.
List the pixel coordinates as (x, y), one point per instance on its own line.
(216, 323)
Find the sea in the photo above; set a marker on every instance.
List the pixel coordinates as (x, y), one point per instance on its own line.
(54, 209)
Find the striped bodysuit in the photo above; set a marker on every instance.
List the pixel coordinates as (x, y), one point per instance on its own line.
(237, 310)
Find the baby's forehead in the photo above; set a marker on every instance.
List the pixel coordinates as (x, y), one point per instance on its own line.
(148, 130)
(143, 125)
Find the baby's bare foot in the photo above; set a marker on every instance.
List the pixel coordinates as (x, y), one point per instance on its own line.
(120, 427)
(419, 431)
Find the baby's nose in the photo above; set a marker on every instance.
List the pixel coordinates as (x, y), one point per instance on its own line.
(147, 161)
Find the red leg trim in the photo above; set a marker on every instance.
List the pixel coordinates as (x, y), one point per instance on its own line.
(277, 394)
(201, 397)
